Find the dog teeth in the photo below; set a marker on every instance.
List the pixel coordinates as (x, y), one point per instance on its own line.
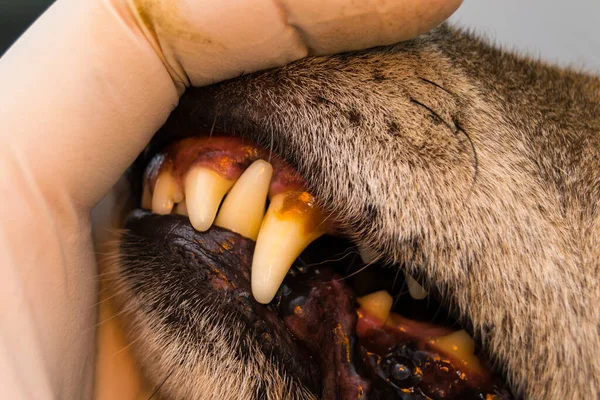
(204, 191)
(291, 223)
(244, 207)
(379, 304)
(416, 291)
(166, 194)
(181, 209)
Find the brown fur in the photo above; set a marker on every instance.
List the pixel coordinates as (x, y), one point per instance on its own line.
(477, 170)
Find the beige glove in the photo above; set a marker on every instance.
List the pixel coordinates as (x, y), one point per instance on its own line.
(81, 94)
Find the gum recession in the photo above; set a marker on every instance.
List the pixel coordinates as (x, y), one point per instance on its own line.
(226, 155)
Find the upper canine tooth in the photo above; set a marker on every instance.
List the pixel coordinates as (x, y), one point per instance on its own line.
(416, 291)
(166, 193)
(292, 222)
(204, 191)
(244, 207)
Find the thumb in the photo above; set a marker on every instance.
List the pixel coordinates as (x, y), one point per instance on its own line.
(202, 42)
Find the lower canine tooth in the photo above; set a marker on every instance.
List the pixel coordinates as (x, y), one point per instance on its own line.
(292, 222)
(166, 193)
(416, 291)
(244, 207)
(204, 191)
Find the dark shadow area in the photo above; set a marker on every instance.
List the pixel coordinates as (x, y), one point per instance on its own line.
(15, 18)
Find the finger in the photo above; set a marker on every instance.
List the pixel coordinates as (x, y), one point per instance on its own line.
(341, 25)
(203, 42)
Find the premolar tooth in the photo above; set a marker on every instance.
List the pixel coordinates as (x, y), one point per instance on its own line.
(292, 222)
(244, 207)
(204, 191)
(166, 193)
(416, 291)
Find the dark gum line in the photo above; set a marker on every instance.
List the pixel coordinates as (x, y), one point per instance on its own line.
(227, 155)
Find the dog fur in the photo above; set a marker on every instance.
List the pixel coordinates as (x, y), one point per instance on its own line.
(476, 170)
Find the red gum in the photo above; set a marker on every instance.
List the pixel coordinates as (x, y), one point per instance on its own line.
(228, 156)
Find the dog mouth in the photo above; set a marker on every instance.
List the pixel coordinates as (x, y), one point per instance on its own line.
(229, 228)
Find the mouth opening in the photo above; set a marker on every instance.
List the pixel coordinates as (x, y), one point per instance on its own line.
(338, 321)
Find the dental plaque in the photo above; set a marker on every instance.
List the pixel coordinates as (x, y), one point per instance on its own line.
(354, 332)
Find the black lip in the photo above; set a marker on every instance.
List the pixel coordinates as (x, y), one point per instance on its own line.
(318, 347)
(201, 267)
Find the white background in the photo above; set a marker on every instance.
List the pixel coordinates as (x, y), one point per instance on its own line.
(565, 32)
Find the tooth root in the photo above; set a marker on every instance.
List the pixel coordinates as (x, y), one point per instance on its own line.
(291, 223)
(204, 191)
(416, 291)
(166, 193)
(181, 209)
(243, 209)
(367, 254)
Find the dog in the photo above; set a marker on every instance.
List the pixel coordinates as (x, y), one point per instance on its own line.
(472, 169)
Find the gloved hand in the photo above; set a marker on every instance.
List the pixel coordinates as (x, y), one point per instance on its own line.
(81, 93)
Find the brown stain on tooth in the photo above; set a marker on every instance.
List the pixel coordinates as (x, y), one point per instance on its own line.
(303, 204)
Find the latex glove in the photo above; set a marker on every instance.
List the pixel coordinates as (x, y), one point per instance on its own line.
(81, 93)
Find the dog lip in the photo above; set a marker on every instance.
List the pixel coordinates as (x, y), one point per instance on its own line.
(217, 266)
(318, 347)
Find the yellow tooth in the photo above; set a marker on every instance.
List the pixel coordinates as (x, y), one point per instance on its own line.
(204, 191)
(181, 209)
(292, 222)
(166, 193)
(416, 291)
(244, 207)
(379, 304)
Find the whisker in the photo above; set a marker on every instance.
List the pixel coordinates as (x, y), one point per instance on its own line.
(126, 347)
(161, 385)
(212, 128)
(342, 255)
(271, 145)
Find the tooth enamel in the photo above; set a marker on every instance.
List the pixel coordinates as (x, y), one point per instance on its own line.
(204, 191)
(292, 222)
(367, 254)
(244, 207)
(181, 209)
(166, 193)
(416, 291)
(379, 304)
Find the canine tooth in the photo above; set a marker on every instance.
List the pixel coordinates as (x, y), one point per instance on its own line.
(367, 254)
(244, 207)
(166, 194)
(181, 209)
(416, 291)
(204, 191)
(291, 223)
